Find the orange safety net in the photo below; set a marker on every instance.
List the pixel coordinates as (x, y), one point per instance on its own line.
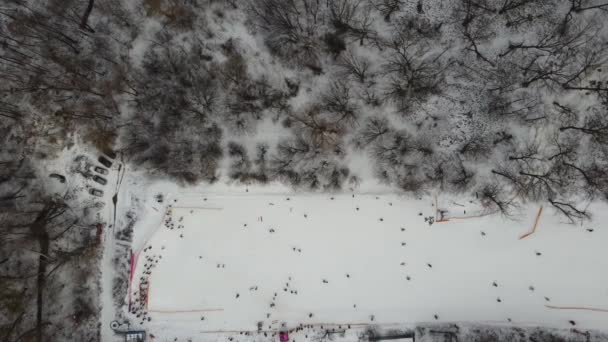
(540, 211)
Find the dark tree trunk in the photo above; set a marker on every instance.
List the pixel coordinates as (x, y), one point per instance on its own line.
(43, 240)
(38, 229)
(85, 17)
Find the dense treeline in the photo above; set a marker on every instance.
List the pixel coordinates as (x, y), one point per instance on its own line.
(429, 91)
(60, 76)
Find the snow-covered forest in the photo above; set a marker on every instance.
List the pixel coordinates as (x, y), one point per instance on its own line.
(502, 100)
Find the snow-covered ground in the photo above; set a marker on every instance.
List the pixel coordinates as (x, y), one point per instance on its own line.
(226, 258)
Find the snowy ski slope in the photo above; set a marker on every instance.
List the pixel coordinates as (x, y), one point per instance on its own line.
(233, 260)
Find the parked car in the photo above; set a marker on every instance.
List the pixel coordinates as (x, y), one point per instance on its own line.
(96, 192)
(111, 154)
(104, 161)
(59, 177)
(100, 180)
(101, 170)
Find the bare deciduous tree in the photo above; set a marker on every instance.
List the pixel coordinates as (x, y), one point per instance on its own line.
(414, 72)
(595, 125)
(493, 197)
(355, 66)
(373, 128)
(388, 7)
(337, 101)
(291, 27)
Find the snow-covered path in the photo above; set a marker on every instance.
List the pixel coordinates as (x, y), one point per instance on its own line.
(108, 309)
(272, 258)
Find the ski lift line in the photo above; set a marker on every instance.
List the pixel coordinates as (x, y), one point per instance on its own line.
(203, 208)
(576, 308)
(540, 210)
(186, 311)
(467, 217)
